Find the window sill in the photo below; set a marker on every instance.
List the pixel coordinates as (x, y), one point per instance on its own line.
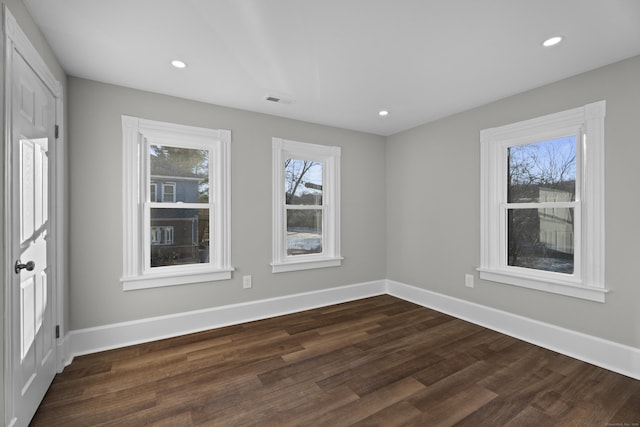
(305, 264)
(590, 293)
(158, 280)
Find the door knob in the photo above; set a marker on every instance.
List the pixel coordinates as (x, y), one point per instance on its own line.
(29, 266)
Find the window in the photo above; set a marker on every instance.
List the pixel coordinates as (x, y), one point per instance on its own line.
(168, 188)
(306, 211)
(542, 199)
(176, 204)
(162, 235)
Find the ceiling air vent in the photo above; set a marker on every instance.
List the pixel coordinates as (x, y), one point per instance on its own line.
(278, 99)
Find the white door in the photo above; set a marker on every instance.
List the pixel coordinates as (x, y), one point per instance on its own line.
(33, 349)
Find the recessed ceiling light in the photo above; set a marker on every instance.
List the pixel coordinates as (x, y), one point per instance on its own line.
(552, 41)
(383, 113)
(178, 64)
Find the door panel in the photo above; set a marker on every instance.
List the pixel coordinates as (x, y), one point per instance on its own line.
(33, 361)
(34, 186)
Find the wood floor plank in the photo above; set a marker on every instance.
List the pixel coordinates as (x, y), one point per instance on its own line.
(466, 402)
(447, 366)
(310, 410)
(152, 418)
(345, 373)
(112, 405)
(371, 403)
(530, 417)
(628, 412)
(257, 405)
(450, 385)
(376, 361)
(374, 379)
(551, 403)
(399, 414)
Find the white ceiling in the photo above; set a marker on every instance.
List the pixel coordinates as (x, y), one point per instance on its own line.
(338, 62)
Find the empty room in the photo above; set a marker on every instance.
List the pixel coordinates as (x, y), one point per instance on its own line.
(312, 213)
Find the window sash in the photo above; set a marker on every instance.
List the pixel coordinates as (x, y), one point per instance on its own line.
(576, 276)
(148, 239)
(321, 208)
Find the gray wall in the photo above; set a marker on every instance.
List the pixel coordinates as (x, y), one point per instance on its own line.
(17, 9)
(96, 205)
(433, 204)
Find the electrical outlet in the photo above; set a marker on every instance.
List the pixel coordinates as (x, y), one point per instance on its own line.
(246, 282)
(468, 280)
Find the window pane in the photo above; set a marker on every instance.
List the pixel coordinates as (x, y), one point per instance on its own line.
(169, 192)
(543, 171)
(304, 231)
(541, 239)
(303, 182)
(179, 236)
(182, 174)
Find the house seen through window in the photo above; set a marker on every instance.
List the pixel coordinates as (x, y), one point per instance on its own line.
(183, 175)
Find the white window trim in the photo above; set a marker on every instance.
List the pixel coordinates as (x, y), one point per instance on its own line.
(588, 281)
(330, 156)
(136, 192)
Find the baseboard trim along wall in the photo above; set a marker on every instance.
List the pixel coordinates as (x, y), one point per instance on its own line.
(606, 354)
(92, 340)
(610, 355)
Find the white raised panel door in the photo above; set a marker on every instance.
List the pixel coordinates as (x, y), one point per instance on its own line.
(33, 359)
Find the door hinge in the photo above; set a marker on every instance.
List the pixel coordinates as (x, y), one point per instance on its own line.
(57, 131)
(57, 331)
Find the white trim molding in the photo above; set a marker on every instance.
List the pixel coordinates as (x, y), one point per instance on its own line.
(22, 43)
(91, 340)
(586, 125)
(597, 351)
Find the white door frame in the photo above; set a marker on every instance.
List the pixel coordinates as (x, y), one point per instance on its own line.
(16, 40)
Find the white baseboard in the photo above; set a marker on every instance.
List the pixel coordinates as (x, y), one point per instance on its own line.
(613, 356)
(92, 340)
(597, 351)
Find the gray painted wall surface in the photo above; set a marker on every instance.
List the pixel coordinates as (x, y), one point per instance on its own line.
(433, 204)
(96, 205)
(17, 9)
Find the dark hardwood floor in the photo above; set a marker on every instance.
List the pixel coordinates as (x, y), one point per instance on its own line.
(377, 361)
